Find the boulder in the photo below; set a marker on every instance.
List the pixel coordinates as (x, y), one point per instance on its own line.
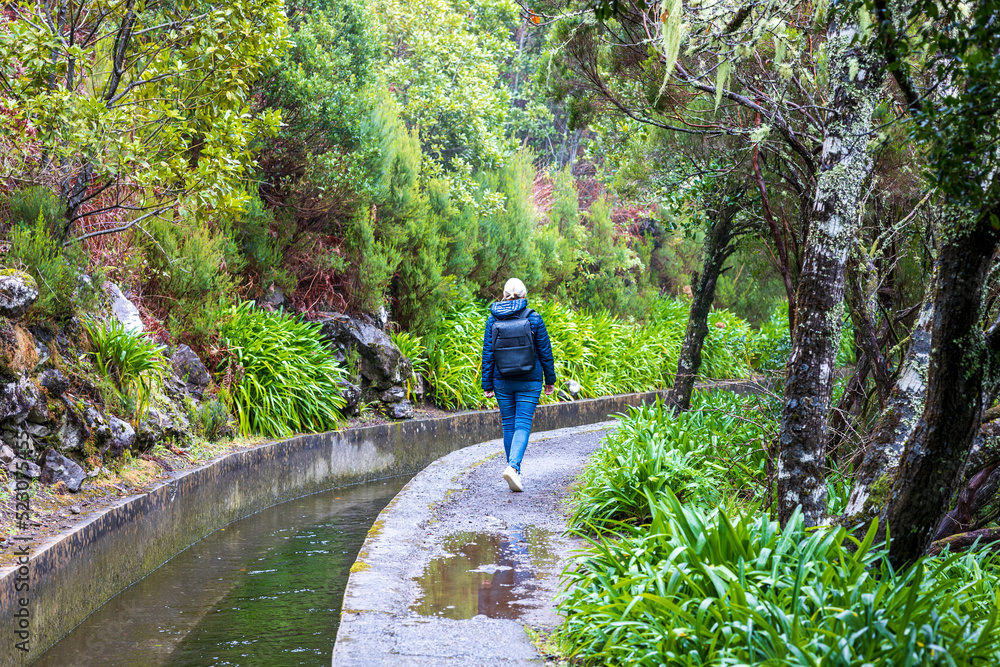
(57, 468)
(123, 309)
(351, 393)
(149, 432)
(382, 364)
(401, 410)
(122, 436)
(18, 291)
(97, 425)
(37, 431)
(72, 432)
(17, 399)
(393, 395)
(159, 426)
(54, 381)
(191, 375)
(25, 468)
(40, 413)
(6, 454)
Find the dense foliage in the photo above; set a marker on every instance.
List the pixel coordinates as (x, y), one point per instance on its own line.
(685, 569)
(283, 378)
(605, 354)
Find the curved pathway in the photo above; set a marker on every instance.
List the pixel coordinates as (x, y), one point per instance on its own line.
(457, 565)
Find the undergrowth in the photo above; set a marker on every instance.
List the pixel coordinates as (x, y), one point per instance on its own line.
(282, 375)
(683, 567)
(607, 355)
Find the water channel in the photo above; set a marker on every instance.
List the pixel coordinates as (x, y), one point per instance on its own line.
(265, 590)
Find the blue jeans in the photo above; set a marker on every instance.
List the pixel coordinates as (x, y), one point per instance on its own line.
(517, 408)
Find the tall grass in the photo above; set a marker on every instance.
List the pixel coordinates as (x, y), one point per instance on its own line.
(705, 587)
(707, 456)
(133, 361)
(605, 354)
(683, 568)
(284, 376)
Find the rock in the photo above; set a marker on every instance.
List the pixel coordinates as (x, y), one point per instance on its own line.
(18, 291)
(382, 364)
(275, 299)
(6, 454)
(24, 468)
(393, 395)
(158, 427)
(401, 410)
(17, 399)
(57, 468)
(123, 309)
(74, 509)
(40, 413)
(574, 388)
(37, 430)
(72, 431)
(190, 372)
(43, 351)
(351, 394)
(97, 425)
(122, 436)
(54, 381)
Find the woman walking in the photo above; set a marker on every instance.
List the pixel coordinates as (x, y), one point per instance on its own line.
(517, 356)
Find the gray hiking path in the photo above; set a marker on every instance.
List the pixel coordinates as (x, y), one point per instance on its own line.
(457, 565)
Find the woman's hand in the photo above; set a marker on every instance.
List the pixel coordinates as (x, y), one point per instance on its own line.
(550, 389)
(489, 394)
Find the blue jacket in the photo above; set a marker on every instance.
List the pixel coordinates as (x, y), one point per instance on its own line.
(544, 364)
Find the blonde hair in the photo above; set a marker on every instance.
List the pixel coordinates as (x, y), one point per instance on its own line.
(514, 289)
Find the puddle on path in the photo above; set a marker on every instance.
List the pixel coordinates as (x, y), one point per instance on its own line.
(485, 573)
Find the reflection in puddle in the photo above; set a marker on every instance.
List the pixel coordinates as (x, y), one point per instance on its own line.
(485, 574)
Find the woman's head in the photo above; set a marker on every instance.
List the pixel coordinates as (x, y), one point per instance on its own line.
(514, 289)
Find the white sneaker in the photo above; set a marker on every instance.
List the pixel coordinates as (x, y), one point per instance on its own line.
(513, 479)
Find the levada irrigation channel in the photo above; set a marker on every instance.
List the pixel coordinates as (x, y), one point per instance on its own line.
(265, 590)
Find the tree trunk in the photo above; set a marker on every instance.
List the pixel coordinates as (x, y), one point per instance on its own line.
(876, 473)
(845, 165)
(718, 248)
(933, 460)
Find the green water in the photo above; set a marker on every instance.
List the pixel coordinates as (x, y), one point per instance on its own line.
(266, 590)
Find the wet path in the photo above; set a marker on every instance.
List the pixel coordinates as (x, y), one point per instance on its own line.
(265, 590)
(457, 565)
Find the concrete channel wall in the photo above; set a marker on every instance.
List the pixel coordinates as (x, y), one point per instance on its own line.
(74, 574)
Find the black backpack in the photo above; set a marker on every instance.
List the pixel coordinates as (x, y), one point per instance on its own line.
(514, 345)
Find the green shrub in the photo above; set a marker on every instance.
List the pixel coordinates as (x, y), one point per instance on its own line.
(282, 375)
(710, 454)
(131, 360)
(30, 204)
(210, 419)
(703, 587)
(57, 270)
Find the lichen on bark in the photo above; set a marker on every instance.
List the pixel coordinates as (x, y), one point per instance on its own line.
(845, 166)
